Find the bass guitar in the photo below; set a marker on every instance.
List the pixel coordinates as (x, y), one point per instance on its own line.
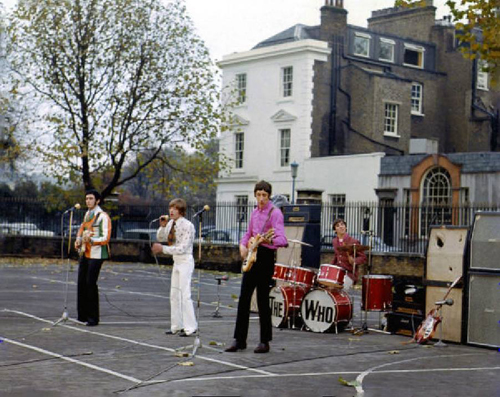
(253, 244)
(426, 330)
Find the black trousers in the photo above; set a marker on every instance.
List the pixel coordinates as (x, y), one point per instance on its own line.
(88, 292)
(260, 277)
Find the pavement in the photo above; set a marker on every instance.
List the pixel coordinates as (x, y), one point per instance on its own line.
(129, 354)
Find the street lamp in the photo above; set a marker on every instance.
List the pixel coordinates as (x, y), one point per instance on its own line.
(294, 166)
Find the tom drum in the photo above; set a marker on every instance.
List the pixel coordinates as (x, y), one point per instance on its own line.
(303, 276)
(282, 272)
(331, 276)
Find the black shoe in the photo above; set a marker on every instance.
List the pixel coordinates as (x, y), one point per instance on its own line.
(235, 346)
(169, 332)
(262, 348)
(91, 324)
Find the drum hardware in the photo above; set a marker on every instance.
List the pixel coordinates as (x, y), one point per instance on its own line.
(219, 280)
(300, 242)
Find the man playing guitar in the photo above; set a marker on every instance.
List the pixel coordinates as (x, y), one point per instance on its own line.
(92, 242)
(259, 275)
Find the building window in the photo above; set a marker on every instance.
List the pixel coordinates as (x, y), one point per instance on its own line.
(386, 50)
(241, 208)
(416, 98)
(361, 45)
(482, 75)
(436, 199)
(285, 138)
(413, 56)
(391, 119)
(287, 81)
(239, 145)
(337, 205)
(241, 86)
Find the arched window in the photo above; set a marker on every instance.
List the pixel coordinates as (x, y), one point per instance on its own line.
(435, 199)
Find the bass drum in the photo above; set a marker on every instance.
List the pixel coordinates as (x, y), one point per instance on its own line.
(285, 303)
(324, 310)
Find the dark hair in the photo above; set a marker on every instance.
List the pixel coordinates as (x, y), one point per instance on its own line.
(180, 204)
(263, 185)
(95, 193)
(337, 221)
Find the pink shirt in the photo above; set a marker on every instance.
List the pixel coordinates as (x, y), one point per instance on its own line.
(257, 221)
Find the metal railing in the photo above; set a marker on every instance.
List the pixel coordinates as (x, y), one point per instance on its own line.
(391, 227)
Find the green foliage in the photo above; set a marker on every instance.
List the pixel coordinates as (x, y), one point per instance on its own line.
(110, 85)
(484, 15)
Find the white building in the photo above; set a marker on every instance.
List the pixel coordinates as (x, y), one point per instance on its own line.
(272, 128)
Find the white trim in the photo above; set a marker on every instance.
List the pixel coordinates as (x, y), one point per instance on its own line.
(320, 48)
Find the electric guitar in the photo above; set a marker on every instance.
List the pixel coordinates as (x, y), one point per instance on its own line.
(85, 239)
(253, 244)
(426, 330)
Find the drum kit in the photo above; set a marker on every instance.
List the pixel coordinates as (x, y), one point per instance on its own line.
(306, 298)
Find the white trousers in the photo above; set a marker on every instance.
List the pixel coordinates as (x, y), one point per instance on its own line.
(182, 314)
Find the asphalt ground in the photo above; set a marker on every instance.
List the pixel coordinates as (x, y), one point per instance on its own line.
(129, 354)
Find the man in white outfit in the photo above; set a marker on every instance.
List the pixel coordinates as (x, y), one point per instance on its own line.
(178, 233)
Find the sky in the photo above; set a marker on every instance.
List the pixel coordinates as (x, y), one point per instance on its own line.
(229, 26)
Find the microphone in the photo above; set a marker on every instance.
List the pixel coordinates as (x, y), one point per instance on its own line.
(161, 218)
(447, 302)
(205, 208)
(76, 206)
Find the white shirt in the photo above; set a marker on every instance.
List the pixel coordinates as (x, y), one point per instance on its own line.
(184, 237)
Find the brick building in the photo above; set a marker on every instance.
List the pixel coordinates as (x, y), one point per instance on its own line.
(369, 113)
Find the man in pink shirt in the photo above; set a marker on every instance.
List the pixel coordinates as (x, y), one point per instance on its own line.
(263, 218)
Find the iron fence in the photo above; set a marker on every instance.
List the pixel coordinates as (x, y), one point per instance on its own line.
(393, 227)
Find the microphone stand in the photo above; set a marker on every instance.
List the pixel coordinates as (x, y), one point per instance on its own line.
(65, 316)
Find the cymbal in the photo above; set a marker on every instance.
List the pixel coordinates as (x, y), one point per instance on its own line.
(350, 248)
(299, 242)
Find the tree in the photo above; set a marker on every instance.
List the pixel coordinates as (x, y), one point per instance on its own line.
(110, 84)
(484, 15)
(478, 26)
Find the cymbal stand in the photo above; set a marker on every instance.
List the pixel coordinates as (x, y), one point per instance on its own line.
(219, 280)
(294, 286)
(364, 327)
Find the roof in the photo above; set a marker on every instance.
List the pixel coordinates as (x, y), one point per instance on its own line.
(295, 33)
(471, 162)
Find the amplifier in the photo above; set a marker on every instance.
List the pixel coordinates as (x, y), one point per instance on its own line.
(403, 324)
(408, 295)
(304, 213)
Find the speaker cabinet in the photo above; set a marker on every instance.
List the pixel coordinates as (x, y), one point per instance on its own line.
(485, 242)
(483, 310)
(297, 254)
(450, 329)
(445, 253)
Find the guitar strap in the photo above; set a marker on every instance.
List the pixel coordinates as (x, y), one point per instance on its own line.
(267, 220)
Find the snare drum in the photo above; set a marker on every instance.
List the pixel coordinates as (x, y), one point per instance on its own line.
(303, 276)
(282, 272)
(284, 302)
(331, 276)
(377, 293)
(324, 309)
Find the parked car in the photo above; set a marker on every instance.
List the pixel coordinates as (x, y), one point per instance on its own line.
(140, 234)
(224, 236)
(25, 229)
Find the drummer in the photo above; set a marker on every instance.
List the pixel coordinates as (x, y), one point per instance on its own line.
(345, 259)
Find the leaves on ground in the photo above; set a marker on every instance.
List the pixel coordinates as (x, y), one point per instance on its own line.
(352, 383)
